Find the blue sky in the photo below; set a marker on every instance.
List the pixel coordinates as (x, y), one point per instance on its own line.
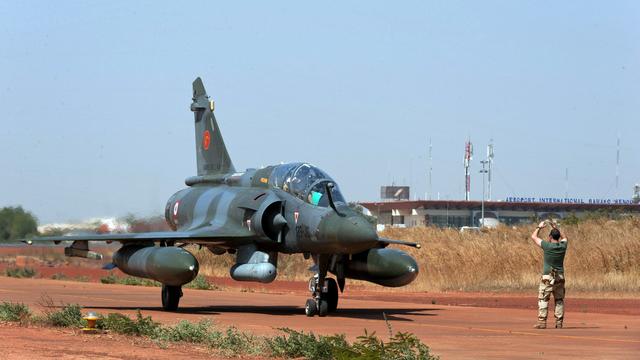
(94, 97)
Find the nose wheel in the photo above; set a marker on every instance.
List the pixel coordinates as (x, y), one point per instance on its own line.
(310, 308)
(325, 298)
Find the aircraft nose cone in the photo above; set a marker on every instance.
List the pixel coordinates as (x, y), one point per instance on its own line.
(356, 230)
(349, 234)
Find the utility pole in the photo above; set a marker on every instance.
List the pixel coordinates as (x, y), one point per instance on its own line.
(483, 172)
(490, 159)
(617, 164)
(430, 171)
(566, 183)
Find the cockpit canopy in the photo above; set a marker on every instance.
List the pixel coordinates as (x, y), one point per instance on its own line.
(306, 182)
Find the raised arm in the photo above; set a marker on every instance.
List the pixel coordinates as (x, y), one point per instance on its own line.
(563, 237)
(535, 237)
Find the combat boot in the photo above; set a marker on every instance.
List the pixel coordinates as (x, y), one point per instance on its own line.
(540, 325)
(559, 324)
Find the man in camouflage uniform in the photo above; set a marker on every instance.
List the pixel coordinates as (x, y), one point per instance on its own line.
(552, 281)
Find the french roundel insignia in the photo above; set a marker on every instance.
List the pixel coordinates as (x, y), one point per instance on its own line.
(206, 140)
(175, 208)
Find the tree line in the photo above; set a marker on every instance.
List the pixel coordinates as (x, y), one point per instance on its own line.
(16, 223)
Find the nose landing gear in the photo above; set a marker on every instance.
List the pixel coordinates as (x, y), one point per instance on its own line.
(325, 298)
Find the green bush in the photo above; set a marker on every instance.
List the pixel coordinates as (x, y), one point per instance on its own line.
(230, 342)
(123, 324)
(401, 346)
(62, 276)
(20, 272)
(59, 276)
(233, 343)
(127, 280)
(109, 279)
(14, 312)
(201, 283)
(116, 322)
(407, 346)
(295, 344)
(69, 316)
(186, 331)
(136, 281)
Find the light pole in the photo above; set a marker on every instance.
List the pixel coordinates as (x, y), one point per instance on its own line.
(483, 172)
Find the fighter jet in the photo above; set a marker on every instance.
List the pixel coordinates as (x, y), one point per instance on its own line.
(293, 208)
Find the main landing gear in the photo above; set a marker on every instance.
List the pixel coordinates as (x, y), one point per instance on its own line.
(325, 298)
(171, 297)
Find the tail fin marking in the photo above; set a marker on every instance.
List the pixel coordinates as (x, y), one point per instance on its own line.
(212, 155)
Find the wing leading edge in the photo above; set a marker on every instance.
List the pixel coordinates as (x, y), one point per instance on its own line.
(203, 235)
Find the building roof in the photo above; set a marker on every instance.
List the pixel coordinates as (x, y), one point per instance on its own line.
(496, 206)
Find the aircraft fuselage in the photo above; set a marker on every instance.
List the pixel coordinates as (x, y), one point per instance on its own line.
(250, 200)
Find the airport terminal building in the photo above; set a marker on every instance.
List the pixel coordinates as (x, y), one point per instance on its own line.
(458, 213)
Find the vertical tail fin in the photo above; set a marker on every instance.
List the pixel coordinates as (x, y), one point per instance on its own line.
(212, 154)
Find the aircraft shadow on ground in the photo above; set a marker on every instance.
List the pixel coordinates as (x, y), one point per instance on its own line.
(580, 327)
(394, 314)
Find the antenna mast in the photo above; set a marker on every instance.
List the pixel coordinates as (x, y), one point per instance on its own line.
(566, 183)
(430, 170)
(489, 171)
(468, 156)
(617, 164)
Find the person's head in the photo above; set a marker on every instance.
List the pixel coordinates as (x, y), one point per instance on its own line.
(554, 234)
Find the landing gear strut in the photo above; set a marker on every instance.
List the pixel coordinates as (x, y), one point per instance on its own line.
(171, 297)
(324, 291)
(325, 298)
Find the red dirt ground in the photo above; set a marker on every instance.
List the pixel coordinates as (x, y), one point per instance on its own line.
(39, 343)
(455, 325)
(454, 332)
(590, 303)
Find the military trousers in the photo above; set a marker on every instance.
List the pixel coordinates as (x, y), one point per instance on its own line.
(551, 285)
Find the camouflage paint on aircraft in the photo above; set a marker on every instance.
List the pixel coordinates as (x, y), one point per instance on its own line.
(255, 214)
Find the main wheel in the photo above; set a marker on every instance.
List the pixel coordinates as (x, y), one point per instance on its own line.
(171, 297)
(323, 307)
(332, 294)
(310, 308)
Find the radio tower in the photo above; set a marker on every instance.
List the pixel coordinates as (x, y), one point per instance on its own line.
(468, 156)
(566, 183)
(430, 170)
(617, 164)
(490, 163)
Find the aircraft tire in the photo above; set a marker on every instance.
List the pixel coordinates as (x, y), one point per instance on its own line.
(323, 308)
(310, 308)
(171, 297)
(332, 294)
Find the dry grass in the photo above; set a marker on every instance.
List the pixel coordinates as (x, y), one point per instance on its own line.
(290, 267)
(603, 256)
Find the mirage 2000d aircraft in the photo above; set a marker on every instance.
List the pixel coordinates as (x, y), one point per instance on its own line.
(256, 214)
